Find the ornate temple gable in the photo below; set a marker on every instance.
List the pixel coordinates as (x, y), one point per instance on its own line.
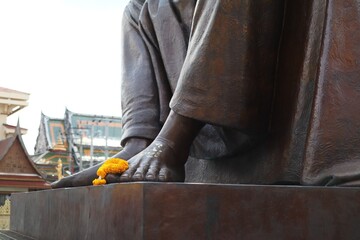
(14, 159)
(51, 135)
(16, 167)
(41, 140)
(54, 131)
(56, 134)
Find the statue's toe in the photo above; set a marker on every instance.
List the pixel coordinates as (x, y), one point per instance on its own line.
(125, 177)
(138, 176)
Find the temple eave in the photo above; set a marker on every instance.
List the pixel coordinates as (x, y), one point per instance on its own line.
(20, 178)
(25, 184)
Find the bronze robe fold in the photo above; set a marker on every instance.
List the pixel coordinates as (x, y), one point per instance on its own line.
(155, 41)
(286, 70)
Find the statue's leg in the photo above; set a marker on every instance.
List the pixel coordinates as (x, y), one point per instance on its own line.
(226, 79)
(145, 89)
(165, 30)
(139, 99)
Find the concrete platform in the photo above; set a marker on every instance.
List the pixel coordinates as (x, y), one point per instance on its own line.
(188, 211)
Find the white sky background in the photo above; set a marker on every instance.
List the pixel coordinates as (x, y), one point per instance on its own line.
(65, 53)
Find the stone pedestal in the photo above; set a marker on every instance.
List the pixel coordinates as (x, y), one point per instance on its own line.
(188, 211)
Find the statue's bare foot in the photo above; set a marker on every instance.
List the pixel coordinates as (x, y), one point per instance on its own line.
(164, 159)
(85, 177)
(159, 162)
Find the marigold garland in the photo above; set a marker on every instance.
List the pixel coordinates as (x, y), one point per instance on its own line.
(113, 166)
(98, 181)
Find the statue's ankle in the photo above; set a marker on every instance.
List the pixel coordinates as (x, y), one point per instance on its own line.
(133, 146)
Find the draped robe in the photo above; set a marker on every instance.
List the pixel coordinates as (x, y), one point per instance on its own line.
(276, 82)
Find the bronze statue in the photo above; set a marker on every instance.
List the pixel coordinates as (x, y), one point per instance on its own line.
(264, 92)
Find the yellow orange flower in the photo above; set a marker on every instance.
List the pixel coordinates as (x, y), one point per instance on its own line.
(113, 166)
(101, 172)
(99, 181)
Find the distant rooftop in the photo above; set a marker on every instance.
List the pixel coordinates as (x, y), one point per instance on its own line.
(87, 138)
(12, 101)
(7, 90)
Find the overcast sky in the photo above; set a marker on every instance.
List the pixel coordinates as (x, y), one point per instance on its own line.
(64, 53)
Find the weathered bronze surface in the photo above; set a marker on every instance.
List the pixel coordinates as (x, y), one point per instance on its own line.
(278, 81)
(260, 92)
(188, 211)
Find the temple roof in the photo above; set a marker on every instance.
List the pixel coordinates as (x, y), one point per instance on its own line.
(80, 129)
(5, 145)
(86, 138)
(16, 166)
(100, 128)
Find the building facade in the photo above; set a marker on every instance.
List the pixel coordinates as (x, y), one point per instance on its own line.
(78, 140)
(11, 101)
